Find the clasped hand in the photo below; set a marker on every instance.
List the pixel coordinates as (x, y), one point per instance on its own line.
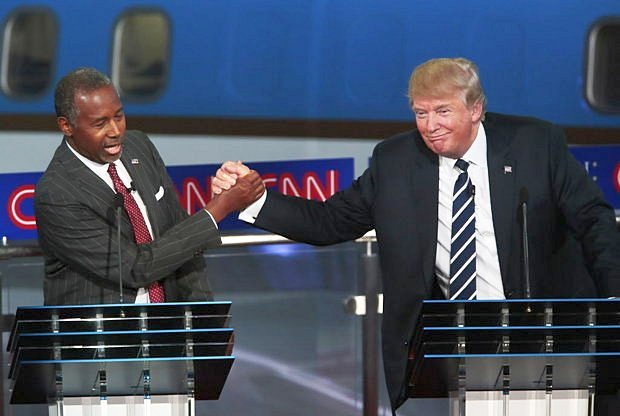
(235, 186)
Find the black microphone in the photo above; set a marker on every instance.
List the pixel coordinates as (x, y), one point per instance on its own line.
(131, 188)
(523, 197)
(119, 204)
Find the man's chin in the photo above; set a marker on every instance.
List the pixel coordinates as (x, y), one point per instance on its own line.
(109, 159)
(438, 147)
(442, 150)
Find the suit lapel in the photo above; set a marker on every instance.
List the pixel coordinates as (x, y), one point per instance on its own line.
(94, 192)
(502, 171)
(141, 182)
(424, 180)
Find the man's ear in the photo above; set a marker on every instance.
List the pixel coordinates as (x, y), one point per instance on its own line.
(476, 112)
(64, 126)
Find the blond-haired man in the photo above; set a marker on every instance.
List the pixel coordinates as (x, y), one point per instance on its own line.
(409, 192)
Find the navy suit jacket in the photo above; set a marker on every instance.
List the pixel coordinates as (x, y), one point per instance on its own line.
(76, 220)
(398, 196)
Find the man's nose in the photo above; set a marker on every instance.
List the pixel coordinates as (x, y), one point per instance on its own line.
(432, 123)
(114, 130)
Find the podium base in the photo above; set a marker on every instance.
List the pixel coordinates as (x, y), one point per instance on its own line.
(171, 405)
(526, 402)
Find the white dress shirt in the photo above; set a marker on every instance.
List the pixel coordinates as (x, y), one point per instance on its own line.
(101, 170)
(488, 280)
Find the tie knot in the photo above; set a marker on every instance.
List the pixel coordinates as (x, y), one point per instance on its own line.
(462, 165)
(116, 180)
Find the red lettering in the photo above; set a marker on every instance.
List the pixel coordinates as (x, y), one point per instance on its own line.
(616, 179)
(193, 196)
(311, 187)
(270, 180)
(16, 215)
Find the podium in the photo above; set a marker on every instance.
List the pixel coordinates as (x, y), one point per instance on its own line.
(508, 346)
(141, 351)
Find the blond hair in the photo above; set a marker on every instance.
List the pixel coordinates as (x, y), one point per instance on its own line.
(442, 77)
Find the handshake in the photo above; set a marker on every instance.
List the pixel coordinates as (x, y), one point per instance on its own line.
(234, 187)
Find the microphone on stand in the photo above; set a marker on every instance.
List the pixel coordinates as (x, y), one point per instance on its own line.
(523, 197)
(119, 205)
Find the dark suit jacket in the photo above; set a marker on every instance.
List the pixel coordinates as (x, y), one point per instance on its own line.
(76, 222)
(398, 196)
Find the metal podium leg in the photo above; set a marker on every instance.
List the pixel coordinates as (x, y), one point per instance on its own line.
(60, 404)
(190, 404)
(462, 403)
(146, 380)
(506, 366)
(592, 364)
(549, 389)
(370, 350)
(102, 374)
(103, 392)
(506, 390)
(549, 366)
(60, 407)
(591, 398)
(462, 371)
(56, 409)
(146, 367)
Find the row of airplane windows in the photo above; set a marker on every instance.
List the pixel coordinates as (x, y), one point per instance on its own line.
(141, 56)
(140, 53)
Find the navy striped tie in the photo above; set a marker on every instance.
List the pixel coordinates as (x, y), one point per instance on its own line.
(463, 245)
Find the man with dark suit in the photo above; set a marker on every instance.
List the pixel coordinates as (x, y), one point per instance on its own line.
(411, 188)
(76, 203)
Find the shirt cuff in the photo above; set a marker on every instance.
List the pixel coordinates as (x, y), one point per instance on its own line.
(251, 212)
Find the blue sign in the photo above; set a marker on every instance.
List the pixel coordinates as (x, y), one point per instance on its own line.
(17, 220)
(603, 165)
(313, 179)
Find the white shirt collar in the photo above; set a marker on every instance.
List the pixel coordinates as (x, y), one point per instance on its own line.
(476, 154)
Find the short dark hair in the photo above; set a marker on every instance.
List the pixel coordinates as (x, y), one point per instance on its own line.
(79, 80)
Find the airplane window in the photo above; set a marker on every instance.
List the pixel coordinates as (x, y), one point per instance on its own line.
(141, 53)
(602, 81)
(28, 52)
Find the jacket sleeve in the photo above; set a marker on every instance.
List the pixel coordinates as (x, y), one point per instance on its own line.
(590, 218)
(84, 240)
(344, 216)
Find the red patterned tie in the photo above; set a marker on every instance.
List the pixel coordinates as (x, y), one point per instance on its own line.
(140, 231)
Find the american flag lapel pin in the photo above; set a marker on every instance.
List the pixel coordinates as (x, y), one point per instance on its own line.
(135, 162)
(507, 169)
